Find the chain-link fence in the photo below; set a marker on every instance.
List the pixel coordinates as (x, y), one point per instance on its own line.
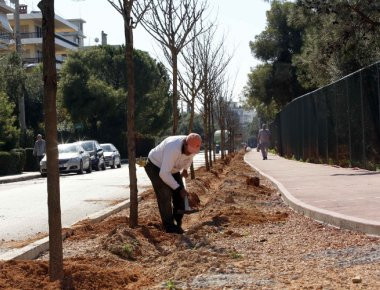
(337, 124)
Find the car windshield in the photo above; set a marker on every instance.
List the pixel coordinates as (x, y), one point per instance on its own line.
(106, 148)
(67, 148)
(88, 146)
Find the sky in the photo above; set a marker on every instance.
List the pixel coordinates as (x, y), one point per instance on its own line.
(239, 22)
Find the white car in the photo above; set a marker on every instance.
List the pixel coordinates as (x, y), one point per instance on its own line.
(111, 155)
(71, 158)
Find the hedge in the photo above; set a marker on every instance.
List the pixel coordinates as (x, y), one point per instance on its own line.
(20, 156)
(11, 162)
(5, 163)
(31, 163)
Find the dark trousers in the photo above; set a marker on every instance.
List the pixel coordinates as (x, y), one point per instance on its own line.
(166, 197)
(264, 149)
(38, 160)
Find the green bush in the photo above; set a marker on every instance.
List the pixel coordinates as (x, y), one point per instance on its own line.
(5, 160)
(12, 162)
(9, 133)
(19, 155)
(30, 161)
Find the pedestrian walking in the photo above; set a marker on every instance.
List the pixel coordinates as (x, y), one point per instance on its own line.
(167, 163)
(39, 149)
(263, 140)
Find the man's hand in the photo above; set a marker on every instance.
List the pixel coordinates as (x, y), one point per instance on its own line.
(184, 173)
(183, 193)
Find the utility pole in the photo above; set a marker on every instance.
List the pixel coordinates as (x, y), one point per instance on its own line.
(21, 101)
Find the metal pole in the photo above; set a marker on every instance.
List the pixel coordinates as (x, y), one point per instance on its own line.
(362, 113)
(17, 26)
(348, 121)
(21, 101)
(378, 89)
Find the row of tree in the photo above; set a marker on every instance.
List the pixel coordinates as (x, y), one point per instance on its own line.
(308, 44)
(108, 90)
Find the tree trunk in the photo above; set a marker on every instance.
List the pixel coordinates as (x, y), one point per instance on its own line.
(191, 124)
(222, 140)
(205, 123)
(209, 106)
(175, 92)
(212, 136)
(50, 118)
(128, 31)
(192, 112)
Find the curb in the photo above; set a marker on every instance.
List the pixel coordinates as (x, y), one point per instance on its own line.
(322, 215)
(33, 250)
(19, 178)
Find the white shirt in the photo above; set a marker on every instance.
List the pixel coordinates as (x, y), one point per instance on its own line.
(169, 158)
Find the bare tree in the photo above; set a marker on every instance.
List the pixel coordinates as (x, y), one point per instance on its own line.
(170, 23)
(222, 103)
(232, 123)
(125, 7)
(190, 82)
(214, 62)
(50, 110)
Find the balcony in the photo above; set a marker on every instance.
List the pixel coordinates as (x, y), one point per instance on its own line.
(59, 39)
(34, 60)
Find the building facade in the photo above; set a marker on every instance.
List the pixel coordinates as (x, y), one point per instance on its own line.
(5, 29)
(68, 36)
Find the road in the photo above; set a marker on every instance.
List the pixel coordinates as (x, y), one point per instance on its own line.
(23, 205)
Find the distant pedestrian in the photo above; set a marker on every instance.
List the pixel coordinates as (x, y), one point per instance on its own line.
(263, 141)
(39, 148)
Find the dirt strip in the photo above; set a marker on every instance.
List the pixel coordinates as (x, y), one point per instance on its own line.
(244, 237)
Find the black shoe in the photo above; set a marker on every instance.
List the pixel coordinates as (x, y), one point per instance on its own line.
(187, 211)
(174, 230)
(180, 230)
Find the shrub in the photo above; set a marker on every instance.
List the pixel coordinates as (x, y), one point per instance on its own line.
(19, 155)
(12, 162)
(30, 161)
(9, 133)
(5, 161)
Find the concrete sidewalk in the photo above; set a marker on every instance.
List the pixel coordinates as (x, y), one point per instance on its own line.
(344, 197)
(19, 177)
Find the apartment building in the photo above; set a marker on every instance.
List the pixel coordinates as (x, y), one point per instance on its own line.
(68, 36)
(5, 28)
(245, 116)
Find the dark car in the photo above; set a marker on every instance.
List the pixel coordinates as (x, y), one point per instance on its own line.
(111, 155)
(96, 153)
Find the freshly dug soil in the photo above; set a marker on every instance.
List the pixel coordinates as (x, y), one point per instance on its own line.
(243, 237)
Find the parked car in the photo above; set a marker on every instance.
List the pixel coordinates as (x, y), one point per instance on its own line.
(71, 158)
(111, 155)
(96, 153)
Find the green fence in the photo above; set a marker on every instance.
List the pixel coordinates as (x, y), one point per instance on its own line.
(336, 124)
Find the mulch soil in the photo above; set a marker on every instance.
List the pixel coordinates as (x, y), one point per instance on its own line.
(243, 237)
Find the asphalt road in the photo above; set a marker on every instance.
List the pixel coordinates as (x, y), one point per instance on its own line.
(23, 205)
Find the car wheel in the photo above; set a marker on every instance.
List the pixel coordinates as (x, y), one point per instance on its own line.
(113, 163)
(89, 169)
(80, 171)
(104, 165)
(119, 165)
